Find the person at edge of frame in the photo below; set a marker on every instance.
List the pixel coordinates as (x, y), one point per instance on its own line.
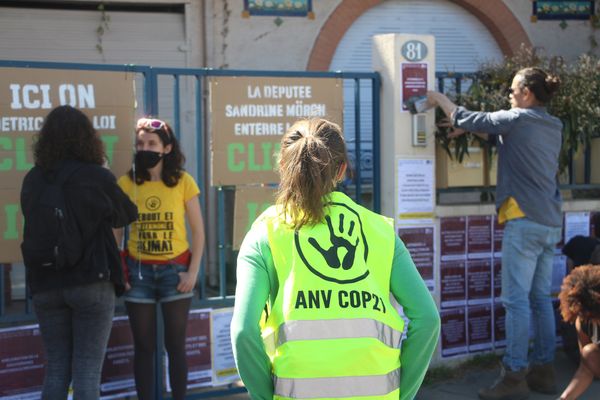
(580, 305)
(580, 250)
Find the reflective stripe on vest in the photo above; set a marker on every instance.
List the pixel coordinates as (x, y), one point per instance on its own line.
(343, 386)
(339, 329)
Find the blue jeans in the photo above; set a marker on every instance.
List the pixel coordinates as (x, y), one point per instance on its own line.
(527, 255)
(75, 323)
(154, 283)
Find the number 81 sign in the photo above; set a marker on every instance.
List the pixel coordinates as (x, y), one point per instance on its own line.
(414, 50)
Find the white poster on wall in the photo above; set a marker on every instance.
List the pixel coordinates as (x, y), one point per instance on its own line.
(577, 223)
(420, 242)
(416, 189)
(224, 369)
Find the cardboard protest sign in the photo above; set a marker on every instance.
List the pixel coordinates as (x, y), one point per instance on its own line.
(27, 95)
(250, 202)
(249, 115)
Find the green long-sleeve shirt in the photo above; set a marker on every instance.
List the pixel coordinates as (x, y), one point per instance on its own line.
(257, 282)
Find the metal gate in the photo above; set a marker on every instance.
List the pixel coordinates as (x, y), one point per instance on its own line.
(180, 96)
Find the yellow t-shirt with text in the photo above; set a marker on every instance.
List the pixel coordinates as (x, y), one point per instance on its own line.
(159, 233)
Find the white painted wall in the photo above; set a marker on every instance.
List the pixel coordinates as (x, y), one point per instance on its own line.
(549, 36)
(258, 42)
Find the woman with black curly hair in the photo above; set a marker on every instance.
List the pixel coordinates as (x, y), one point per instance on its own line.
(580, 304)
(163, 266)
(74, 303)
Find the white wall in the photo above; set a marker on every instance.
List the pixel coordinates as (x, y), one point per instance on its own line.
(548, 35)
(257, 42)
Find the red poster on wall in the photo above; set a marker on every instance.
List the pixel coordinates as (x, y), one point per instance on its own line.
(479, 281)
(414, 81)
(197, 347)
(22, 362)
(499, 325)
(453, 240)
(453, 332)
(452, 284)
(479, 236)
(498, 235)
(419, 242)
(497, 281)
(480, 327)
(117, 372)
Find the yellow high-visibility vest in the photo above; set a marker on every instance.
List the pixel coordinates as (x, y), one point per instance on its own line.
(332, 331)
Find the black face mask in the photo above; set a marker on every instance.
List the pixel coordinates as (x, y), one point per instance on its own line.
(146, 159)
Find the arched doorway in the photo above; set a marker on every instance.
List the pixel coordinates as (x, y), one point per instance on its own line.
(495, 15)
(464, 40)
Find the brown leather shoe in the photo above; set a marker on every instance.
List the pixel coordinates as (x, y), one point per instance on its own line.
(542, 378)
(511, 385)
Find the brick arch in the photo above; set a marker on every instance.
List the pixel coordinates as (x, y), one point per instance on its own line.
(495, 15)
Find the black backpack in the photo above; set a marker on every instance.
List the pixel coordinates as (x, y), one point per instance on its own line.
(52, 238)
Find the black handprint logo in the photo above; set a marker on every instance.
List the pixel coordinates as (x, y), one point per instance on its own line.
(331, 254)
(346, 234)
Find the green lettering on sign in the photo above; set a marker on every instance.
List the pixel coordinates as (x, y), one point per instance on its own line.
(11, 211)
(19, 162)
(6, 144)
(21, 156)
(252, 166)
(109, 145)
(232, 149)
(253, 211)
(257, 157)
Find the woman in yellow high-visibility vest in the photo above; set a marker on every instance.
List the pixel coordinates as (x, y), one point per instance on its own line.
(327, 270)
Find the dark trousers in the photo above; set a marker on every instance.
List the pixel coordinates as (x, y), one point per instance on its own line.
(75, 324)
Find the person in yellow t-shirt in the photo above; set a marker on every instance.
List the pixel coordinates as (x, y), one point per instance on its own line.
(162, 266)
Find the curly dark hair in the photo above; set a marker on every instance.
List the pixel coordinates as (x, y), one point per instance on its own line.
(580, 294)
(67, 134)
(172, 161)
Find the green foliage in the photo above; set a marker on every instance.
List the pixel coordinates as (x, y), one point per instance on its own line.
(577, 102)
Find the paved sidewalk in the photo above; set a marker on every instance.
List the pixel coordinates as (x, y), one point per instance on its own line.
(467, 387)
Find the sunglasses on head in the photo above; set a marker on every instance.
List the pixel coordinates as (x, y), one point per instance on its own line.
(151, 123)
